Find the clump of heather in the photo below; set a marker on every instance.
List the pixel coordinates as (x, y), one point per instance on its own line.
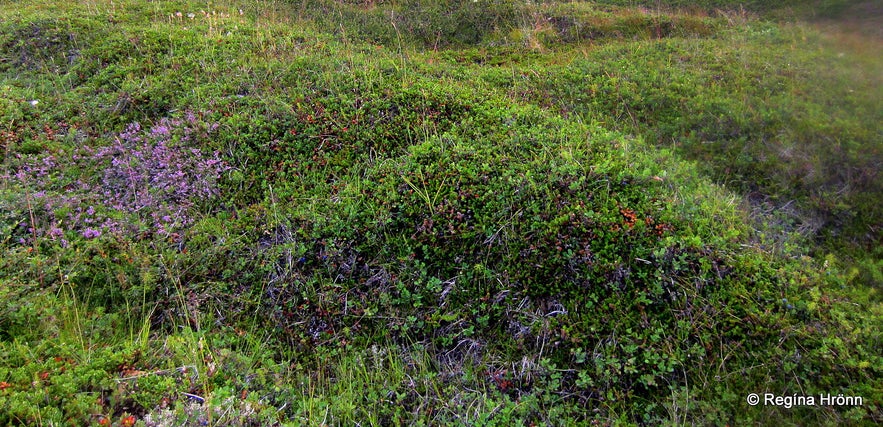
(146, 182)
(154, 176)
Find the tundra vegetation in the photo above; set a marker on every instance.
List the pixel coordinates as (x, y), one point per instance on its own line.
(446, 212)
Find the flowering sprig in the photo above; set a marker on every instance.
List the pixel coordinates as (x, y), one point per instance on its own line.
(153, 176)
(143, 181)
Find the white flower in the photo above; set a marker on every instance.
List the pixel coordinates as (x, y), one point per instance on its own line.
(34, 102)
(191, 15)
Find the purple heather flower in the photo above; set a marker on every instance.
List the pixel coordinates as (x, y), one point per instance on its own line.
(91, 233)
(55, 232)
(146, 174)
(161, 130)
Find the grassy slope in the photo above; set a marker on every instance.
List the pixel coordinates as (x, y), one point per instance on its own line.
(508, 229)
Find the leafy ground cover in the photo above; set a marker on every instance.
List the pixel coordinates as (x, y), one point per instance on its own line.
(468, 213)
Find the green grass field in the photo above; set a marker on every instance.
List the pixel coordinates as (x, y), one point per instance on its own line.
(405, 212)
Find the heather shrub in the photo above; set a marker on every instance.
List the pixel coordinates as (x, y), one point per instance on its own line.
(145, 183)
(156, 176)
(89, 216)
